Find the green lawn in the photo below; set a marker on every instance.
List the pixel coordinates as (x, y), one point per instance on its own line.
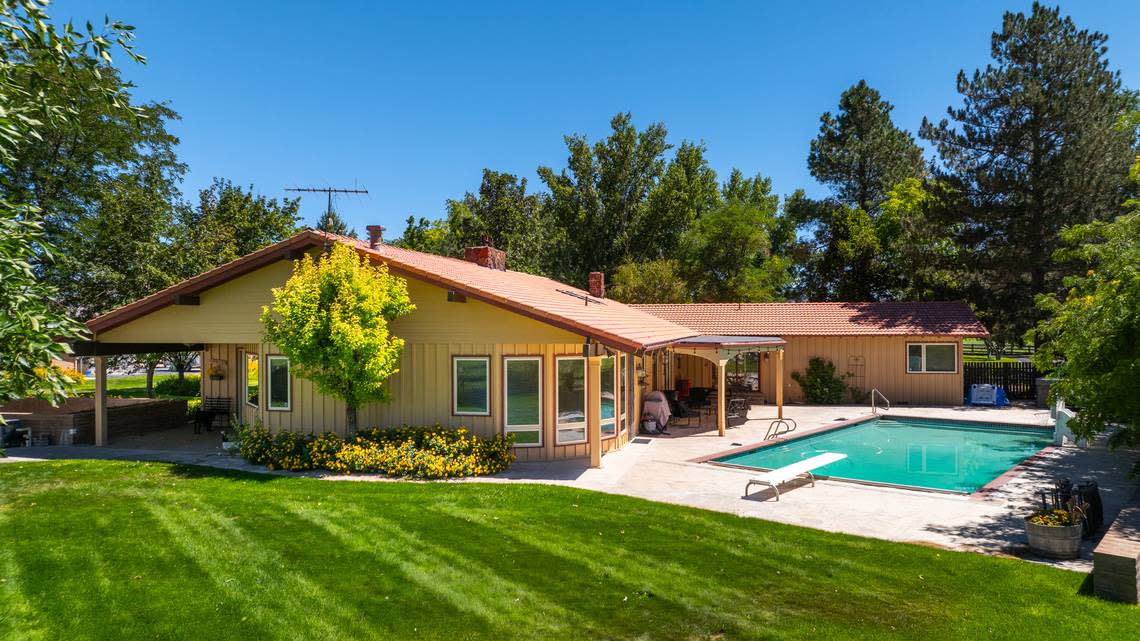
(124, 386)
(114, 550)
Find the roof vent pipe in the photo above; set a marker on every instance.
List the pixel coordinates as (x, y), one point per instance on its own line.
(375, 235)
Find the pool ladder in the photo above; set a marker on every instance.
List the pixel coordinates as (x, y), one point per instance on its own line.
(874, 408)
(774, 428)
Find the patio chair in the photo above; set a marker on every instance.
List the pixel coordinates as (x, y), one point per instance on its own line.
(699, 398)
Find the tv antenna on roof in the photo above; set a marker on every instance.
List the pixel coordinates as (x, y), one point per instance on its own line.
(330, 191)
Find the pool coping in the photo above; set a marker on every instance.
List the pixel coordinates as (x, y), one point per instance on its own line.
(979, 494)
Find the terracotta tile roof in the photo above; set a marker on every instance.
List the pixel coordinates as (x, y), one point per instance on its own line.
(549, 301)
(941, 318)
(544, 299)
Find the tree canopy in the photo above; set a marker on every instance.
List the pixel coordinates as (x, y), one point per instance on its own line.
(1035, 146)
(36, 59)
(1091, 335)
(331, 319)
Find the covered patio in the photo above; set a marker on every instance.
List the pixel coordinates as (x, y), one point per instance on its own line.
(717, 352)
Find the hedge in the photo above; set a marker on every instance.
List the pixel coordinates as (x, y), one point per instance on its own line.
(414, 452)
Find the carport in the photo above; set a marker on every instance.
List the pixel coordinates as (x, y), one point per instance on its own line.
(101, 352)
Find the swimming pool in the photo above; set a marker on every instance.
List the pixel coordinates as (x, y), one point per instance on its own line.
(954, 456)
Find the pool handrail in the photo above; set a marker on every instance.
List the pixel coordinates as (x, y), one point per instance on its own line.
(874, 409)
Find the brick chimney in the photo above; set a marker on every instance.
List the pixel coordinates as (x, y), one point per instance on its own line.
(598, 284)
(375, 235)
(486, 256)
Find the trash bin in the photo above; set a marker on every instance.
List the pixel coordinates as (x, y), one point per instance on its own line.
(1089, 492)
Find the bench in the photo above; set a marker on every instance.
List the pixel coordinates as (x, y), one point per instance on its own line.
(788, 472)
(211, 409)
(1116, 559)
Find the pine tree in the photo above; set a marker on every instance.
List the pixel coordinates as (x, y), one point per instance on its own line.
(1036, 146)
(332, 223)
(860, 153)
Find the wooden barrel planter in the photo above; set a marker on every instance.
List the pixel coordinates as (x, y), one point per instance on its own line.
(1055, 542)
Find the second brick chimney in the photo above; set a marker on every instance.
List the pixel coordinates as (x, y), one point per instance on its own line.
(375, 235)
(486, 256)
(598, 284)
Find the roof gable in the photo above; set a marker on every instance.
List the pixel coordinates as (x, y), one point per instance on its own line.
(606, 321)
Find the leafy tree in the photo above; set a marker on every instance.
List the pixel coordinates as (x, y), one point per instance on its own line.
(1091, 337)
(230, 222)
(180, 362)
(332, 223)
(925, 246)
(687, 189)
(598, 201)
(424, 235)
(29, 324)
(331, 319)
(93, 142)
(651, 281)
(36, 52)
(1035, 146)
(860, 153)
(503, 214)
(726, 255)
(120, 250)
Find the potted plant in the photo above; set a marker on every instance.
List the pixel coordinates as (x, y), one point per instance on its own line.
(229, 440)
(1056, 533)
(216, 371)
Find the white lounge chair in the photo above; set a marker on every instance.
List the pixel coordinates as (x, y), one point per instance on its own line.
(789, 472)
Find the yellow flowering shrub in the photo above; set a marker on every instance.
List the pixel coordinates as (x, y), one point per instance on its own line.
(415, 452)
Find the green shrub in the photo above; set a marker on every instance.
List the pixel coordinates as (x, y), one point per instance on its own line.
(192, 405)
(820, 382)
(174, 386)
(414, 452)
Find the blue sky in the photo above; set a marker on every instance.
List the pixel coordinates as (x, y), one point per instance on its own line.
(413, 100)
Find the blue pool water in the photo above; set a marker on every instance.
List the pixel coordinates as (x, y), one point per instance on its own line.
(942, 455)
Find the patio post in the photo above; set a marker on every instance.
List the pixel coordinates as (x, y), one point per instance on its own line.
(100, 401)
(721, 403)
(780, 383)
(594, 409)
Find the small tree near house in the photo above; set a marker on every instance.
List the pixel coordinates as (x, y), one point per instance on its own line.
(331, 320)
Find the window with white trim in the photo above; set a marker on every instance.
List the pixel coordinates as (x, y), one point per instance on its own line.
(932, 358)
(471, 386)
(522, 399)
(571, 400)
(280, 394)
(609, 397)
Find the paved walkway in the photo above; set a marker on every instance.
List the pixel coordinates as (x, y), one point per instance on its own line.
(660, 469)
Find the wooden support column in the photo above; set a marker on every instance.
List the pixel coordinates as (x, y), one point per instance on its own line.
(594, 409)
(721, 397)
(780, 383)
(100, 401)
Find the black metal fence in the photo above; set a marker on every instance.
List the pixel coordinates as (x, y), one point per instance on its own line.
(1017, 379)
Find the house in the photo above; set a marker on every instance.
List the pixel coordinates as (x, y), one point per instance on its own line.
(910, 351)
(497, 351)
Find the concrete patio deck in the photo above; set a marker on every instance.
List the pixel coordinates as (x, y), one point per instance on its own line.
(661, 469)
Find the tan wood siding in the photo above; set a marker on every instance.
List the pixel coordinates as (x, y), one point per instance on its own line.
(884, 367)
